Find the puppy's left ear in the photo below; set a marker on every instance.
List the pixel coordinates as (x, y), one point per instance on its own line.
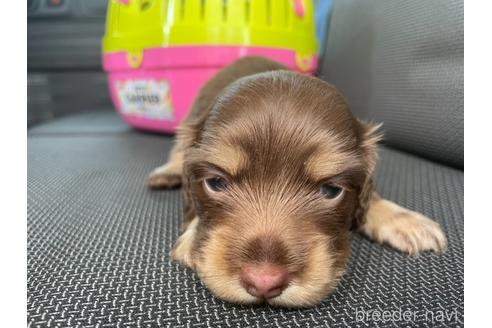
(369, 137)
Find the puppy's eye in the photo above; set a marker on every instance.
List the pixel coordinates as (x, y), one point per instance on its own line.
(215, 184)
(330, 191)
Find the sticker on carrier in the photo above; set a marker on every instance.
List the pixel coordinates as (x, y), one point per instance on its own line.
(149, 99)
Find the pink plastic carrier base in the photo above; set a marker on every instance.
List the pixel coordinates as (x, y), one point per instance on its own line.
(158, 94)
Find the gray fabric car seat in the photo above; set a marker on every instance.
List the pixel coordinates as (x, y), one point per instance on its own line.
(401, 63)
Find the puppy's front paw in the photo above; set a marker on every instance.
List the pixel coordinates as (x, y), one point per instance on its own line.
(411, 233)
(163, 181)
(404, 230)
(164, 177)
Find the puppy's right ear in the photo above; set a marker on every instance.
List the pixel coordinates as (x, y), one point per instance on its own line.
(369, 136)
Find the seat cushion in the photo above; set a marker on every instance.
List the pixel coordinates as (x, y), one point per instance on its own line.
(99, 241)
(401, 62)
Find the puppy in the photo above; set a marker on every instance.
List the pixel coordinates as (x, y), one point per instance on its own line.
(276, 174)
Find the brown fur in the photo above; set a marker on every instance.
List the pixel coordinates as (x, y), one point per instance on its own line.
(275, 136)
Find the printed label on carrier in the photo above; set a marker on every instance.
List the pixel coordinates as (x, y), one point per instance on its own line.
(145, 98)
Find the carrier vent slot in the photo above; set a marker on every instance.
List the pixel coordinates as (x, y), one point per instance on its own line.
(247, 9)
(224, 10)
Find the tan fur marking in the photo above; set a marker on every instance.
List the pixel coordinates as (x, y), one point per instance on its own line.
(181, 251)
(326, 164)
(329, 163)
(229, 158)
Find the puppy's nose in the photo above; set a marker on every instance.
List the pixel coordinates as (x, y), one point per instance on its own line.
(264, 280)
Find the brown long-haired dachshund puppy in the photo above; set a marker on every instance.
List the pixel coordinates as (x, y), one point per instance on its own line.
(276, 173)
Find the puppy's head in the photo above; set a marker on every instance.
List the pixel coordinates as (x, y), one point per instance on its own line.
(278, 177)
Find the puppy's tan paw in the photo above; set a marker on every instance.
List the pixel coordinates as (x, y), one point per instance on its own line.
(412, 233)
(164, 181)
(164, 177)
(404, 230)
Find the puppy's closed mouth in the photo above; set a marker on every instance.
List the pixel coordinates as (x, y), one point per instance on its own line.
(276, 175)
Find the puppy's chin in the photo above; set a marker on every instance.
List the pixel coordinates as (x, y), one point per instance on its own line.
(319, 277)
(298, 296)
(294, 296)
(227, 289)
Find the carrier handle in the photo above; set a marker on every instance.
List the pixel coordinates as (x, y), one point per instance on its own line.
(299, 8)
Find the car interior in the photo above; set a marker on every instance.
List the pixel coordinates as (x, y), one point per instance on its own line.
(99, 240)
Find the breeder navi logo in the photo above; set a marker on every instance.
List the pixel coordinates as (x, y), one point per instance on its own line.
(408, 316)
